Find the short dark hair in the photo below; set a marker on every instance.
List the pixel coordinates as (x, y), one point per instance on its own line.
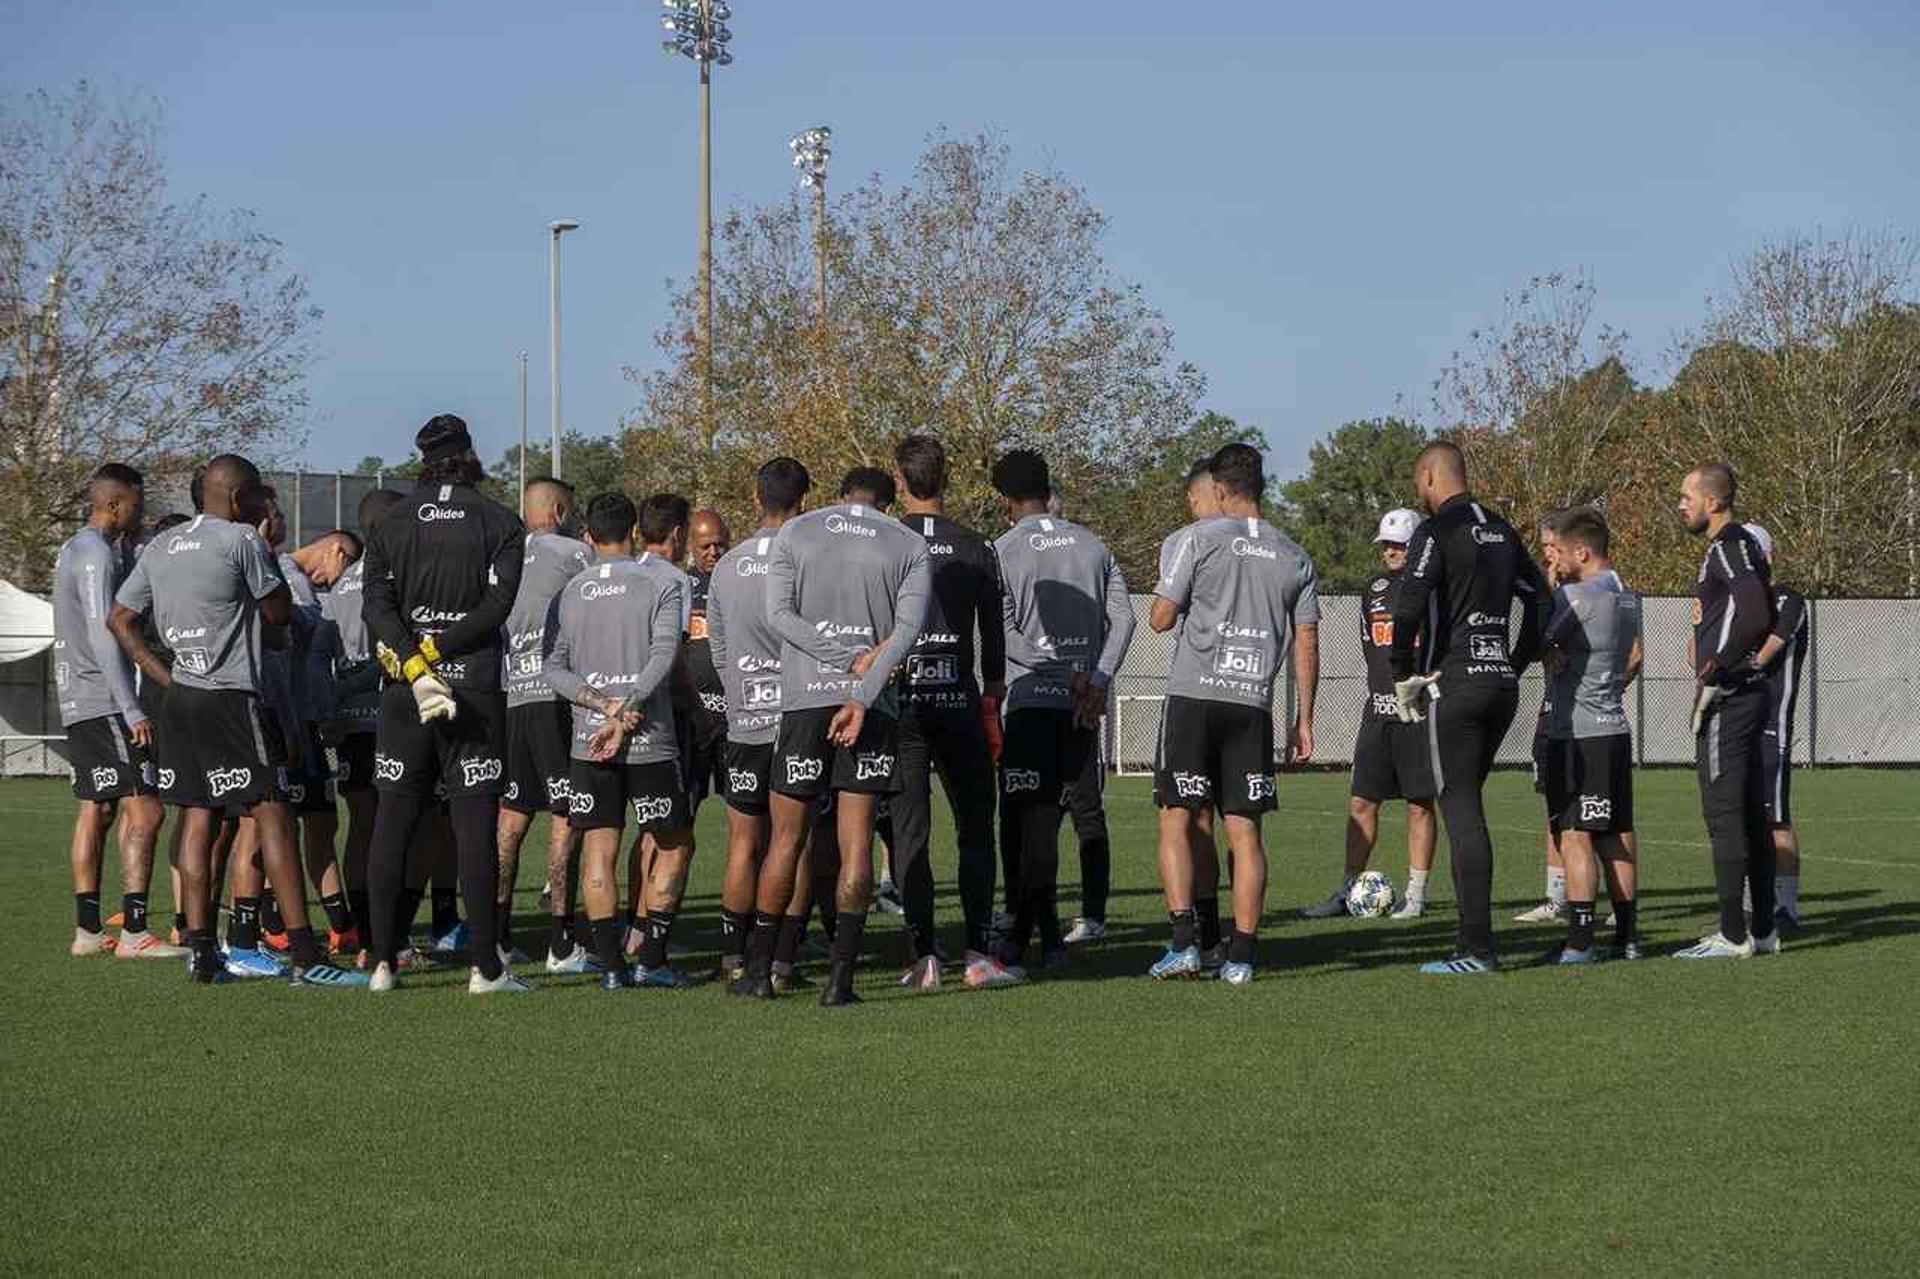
(1202, 468)
(197, 488)
(355, 547)
(172, 519)
(610, 518)
(1237, 468)
(1021, 475)
(781, 484)
(1718, 480)
(922, 460)
(1553, 521)
(1455, 460)
(375, 503)
(1584, 526)
(548, 479)
(870, 480)
(120, 473)
(662, 513)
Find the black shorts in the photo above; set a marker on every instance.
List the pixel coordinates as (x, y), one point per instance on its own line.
(1590, 784)
(1217, 754)
(700, 765)
(217, 750)
(806, 765)
(600, 794)
(1042, 756)
(1540, 757)
(539, 735)
(106, 762)
(1776, 766)
(353, 768)
(1391, 761)
(463, 754)
(310, 787)
(745, 776)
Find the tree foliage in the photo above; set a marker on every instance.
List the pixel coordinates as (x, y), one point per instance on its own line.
(132, 328)
(1354, 476)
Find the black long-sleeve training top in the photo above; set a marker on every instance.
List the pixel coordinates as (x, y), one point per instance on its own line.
(1465, 567)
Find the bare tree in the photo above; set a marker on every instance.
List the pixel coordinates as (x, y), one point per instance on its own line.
(1806, 376)
(1540, 401)
(972, 301)
(131, 329)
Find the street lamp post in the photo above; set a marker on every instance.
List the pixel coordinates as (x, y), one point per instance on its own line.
(556, 229)
(698, 30)
(523, 435)
(811, 149)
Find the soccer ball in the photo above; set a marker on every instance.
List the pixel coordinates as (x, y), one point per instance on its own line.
(1371, 895)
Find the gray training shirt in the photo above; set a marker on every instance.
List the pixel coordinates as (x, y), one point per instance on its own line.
(551, 562)
(1594, 624)
(615, 627)
(1241, 586)
(356, 675)
(743, 643)
(1065, 609)
(840, 580)
(90, 673)
(204, 580)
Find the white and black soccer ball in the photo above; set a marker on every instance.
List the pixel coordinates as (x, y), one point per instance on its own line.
(1370, 895)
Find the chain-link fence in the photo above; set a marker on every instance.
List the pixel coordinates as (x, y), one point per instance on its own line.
(1859, 702)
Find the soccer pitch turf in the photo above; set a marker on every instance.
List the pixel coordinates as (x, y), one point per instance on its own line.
(1341, 1115)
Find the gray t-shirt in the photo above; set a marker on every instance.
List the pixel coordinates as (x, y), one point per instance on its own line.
(309, 667)
(615, 627)
(1065, 611)
(90, 673)
(840, 580)
(356, 675)
(1241, 586)
(204, 580)
(744, 645)
(552, 560)
(1594, 623)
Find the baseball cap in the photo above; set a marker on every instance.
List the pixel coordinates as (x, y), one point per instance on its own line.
(442, 437)
(1397, 525)
(1758, 532)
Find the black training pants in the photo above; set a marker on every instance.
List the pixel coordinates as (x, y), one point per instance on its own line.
(1465, 726)
(475, 819)
(1086, 804)
(952, 741)
(1733, 797)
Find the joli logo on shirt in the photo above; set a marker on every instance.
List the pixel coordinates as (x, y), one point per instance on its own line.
(1245, 663)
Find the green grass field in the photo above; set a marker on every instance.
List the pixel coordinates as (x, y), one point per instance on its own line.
(1341, 1115)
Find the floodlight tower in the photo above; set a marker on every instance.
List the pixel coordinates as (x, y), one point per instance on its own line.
(811, 150)
(698, 30)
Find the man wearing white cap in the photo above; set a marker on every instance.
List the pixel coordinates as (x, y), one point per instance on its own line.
(1390, 759)
(1781, 656)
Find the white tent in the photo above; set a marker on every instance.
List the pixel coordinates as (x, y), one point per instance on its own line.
(26, 624)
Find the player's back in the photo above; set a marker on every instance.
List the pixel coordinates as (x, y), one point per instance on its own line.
(85, 577)
(1054, 577)
(1246, 584)
(608, 615)
(1479, 559)
(203, 580)
(440, 545)
(966, 584)
(847, 564)
(551, 560)
(747, 648)
(1588, 693)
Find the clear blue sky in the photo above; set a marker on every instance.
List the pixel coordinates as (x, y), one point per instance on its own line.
(1322, 199)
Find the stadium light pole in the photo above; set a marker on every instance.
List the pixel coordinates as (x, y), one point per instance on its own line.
(811, 149)
(556, 229)
(698, 30)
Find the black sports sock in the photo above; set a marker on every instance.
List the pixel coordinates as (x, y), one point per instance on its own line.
(446, 910)
(305, 950)
(1623, 921)
(503, 925)
(86, 911)
(1048, 920)
(1207, 911)
(1580, 924)
(270, 917)
(243, 926)
(1240, 947)
(339, 917)
(360, 904)
(1096, 874)
(849, 928)
(560, 936)
(1183, 928)
(180, 922)
(733, 933)
(788, 930)
(410, 899)
(206, 950)
(606, 943)
(133, 912)
(653, 943)
(763, 943)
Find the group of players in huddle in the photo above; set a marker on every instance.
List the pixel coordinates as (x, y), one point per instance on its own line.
(468, 669)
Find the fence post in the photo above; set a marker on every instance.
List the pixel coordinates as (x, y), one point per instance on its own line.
(299, 482)
(337, 481)
(1813, 685)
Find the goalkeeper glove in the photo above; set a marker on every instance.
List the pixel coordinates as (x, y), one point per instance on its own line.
(1406, 696)
(432, 698)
